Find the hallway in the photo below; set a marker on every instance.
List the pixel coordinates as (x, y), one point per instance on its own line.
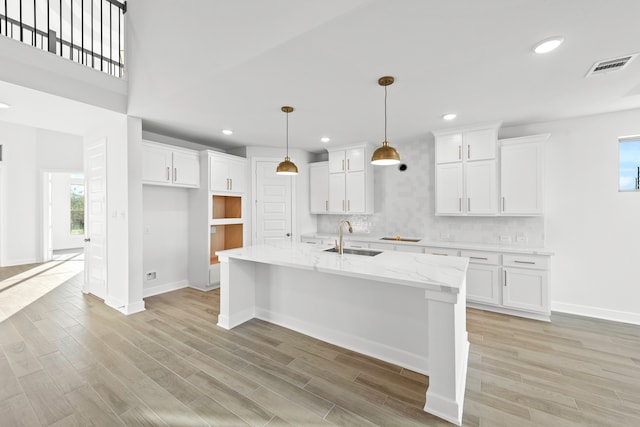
(23, 284)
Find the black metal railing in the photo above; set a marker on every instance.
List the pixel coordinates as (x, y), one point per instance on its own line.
(90, 32)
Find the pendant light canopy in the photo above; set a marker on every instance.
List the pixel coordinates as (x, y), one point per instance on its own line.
(385, 155)
(287, 167)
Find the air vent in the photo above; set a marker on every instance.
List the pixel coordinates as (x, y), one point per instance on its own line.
(609, 65)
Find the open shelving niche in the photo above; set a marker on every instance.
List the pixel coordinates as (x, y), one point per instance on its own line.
(226, 229)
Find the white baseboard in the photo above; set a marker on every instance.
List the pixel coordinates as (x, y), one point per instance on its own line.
(207, 287)
(161, 289)
(412, 361)
(596, 312)
(126, 309)
(12, 262)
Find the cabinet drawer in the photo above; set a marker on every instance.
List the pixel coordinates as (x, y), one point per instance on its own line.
(525, 261)
(441, 251)
(478, 257)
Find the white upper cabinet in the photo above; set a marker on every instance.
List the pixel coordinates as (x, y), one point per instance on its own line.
(449, 148)
(167, 165)
(226, 173)
(482, 188)
(469, 144)
(449, 189)
(522, 175)
(466, 178)
(350, 180)
(319, 187)
(347, 160)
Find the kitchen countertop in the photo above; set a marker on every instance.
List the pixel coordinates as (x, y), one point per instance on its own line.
(436, 273)
(490, 247)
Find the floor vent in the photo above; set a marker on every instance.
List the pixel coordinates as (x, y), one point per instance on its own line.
(609, 65)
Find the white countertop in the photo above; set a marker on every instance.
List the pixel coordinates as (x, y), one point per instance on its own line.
(490, 247)
(444, 274)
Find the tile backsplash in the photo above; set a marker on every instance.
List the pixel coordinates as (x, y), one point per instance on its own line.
(405, 206)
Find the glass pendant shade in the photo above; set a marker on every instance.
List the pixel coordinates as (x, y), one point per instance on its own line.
(385, 155)
(287, 167)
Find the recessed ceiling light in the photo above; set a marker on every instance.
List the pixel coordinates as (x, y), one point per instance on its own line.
(3, 105)
(325, 139)
(227, 131)
(450, 116)
(549, 44)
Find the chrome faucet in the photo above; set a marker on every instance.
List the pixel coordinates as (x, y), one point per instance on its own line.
(339, 245)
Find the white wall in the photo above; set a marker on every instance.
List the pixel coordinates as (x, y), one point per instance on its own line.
(28, 152)
(166, 238)
(593, 229)
(61, 237)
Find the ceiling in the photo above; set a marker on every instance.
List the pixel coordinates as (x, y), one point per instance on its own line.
(213, 65)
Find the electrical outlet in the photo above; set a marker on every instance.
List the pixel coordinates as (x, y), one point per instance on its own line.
(521, 237)
(151, 275)
(213, 230)
(505, 238)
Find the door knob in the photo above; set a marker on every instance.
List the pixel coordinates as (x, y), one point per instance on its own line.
(88, 239)
(288, 234)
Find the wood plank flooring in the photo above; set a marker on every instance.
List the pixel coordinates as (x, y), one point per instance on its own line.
(66, 359)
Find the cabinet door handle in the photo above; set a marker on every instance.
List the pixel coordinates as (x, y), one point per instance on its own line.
(326, 205)
(460, 204)
(348, 164)
(479, 257)
(468, 204)
(439, 254)
(227, 183)
(505, 277)
(349, 205)
(343, 165)
(524, 262)
(231, 184)
(503, 204)
(469, 151)
(342, 205)
(175, 174)
(459, 152)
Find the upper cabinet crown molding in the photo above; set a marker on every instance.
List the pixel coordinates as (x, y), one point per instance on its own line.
(168, 165)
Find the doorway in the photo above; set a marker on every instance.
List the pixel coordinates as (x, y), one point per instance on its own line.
(274, 201)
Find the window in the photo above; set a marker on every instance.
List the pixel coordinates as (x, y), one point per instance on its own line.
(629, 179)
(77, 208)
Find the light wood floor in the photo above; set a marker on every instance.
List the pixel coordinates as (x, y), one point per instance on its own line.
(67, 359)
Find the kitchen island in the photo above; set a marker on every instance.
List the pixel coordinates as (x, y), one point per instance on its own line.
(407, 309)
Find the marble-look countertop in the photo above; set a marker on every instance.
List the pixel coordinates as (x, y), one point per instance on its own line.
(471, 246)
(437, 273)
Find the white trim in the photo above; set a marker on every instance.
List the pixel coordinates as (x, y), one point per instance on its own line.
(12, 262)
(545, 317)
(123, 308)
(596, 312)
(2, 215)
(161, 289)
(415, 362)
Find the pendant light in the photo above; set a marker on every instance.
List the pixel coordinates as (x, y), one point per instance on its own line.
(287, 167)
(385, 155)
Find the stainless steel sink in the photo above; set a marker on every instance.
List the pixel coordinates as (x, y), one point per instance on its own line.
(366, 252)
(400, 239)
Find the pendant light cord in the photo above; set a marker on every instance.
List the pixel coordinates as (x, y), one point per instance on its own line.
(287, 135)
(385, 113)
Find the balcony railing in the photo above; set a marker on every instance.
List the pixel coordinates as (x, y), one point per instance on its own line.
(90, 32)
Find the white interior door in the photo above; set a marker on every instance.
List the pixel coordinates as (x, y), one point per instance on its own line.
(273, 204)
(95, 264)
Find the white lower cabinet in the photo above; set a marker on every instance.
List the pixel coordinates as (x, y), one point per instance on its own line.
(518, 285)
(483, 277)
(525, 289)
